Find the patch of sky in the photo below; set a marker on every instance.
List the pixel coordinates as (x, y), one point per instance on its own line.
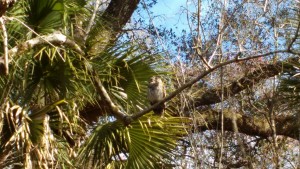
(176, 14)
(170, 14)
(172, 22)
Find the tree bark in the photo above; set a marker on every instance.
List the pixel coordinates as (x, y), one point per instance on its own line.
(110, 24)
(118, 14)
(5, 4)
(253, 126)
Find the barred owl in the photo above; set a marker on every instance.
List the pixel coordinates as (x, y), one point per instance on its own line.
(156, 92)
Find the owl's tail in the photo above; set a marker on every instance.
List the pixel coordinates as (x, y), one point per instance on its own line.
(159, 110)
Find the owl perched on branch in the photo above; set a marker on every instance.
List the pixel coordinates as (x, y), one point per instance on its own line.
(156, 92)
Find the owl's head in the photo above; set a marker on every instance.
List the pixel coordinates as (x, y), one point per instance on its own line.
(154, 80)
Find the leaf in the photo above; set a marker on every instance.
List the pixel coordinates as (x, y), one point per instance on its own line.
(41, 112)
(44, 16)
(148, 143)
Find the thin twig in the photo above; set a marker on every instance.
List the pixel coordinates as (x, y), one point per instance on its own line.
(266, 5)
(202, 58)
(88, 29)
(221, 31)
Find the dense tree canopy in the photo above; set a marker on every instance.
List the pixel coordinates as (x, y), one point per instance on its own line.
(74, 77)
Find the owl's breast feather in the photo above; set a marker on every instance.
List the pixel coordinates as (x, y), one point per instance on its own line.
(155, 95)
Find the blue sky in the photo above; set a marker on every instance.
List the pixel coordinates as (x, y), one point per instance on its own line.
(173, 13)
(169, 14)
(168, 8)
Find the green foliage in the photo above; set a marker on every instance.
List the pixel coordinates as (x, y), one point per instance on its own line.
(148, 142)
(290, 85)
(152, 141)
(129, 71)
(49, 86)
(44, 16)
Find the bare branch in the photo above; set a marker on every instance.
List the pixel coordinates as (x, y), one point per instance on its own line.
(202, 58)
(105, 97)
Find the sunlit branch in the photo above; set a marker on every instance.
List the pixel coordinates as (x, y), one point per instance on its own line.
(202, 58)
(106, 98)
(55, 38)
(34, 32)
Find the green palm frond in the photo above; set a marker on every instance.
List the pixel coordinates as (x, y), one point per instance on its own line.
(126, 74)
(44, 16)
(106, 141)
(152, 141)
(73, 19)
(14, 28)
(49, 75)
(148, 143)
(95, 40)
(290, 84)
(135, 72)
(48, 86)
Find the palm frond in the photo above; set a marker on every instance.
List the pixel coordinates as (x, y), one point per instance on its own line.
(126, 74)
(146, 142)
(106, 141)
(44, 16)
(290, 85)
(152, 141)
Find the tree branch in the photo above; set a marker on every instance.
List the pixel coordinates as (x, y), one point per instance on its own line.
(295, 37)
(92, 20)
(55, 38)
(213, 96)
(118, 13)
(114, 110)
(249, 125)
(202, 75)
